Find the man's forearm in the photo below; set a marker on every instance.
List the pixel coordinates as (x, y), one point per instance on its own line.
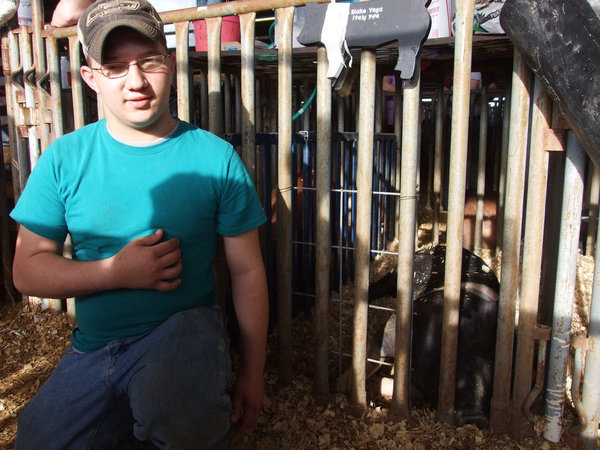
(252, 311)
(54, 276)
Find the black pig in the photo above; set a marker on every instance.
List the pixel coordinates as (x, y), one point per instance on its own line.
(476, 334)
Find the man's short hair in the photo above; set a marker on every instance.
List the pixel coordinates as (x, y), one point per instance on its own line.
(103, 16)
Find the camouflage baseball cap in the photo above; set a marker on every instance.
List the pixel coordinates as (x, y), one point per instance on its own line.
(103, 16)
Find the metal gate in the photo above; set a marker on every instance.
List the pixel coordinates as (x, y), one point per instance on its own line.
(360, 190)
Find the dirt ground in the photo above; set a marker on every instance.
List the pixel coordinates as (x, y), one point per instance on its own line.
(32, 341)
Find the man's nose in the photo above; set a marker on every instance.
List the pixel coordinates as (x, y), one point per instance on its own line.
(136, 79)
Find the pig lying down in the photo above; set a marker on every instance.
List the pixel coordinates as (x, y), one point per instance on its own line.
(476, 334)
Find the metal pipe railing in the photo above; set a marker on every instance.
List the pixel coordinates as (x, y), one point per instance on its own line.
(76, 83)
(511, 243)
(323, 224)
(364, 183)
(594, 201)
(285, 18)
(183, 70)
(406, 243)
(591, 387)
(456, 206)
(481, 175)
(502, 173)
(440, 113)
(247, 91)
(565, 287)
(532, 258)
(215, 101)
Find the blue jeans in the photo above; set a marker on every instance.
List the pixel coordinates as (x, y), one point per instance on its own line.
(169, 386)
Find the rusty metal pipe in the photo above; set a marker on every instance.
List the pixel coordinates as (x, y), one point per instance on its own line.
(55, 86)
(227, 104)
(26, 55)
(590, 242)
(39, 61)
(591, 382)
(456, 206)
(483, 132)
(511, 243)
(364, 184)
(215, 112)
(20, 161)
(502, 174)
(541, 334)
(406, 243)
(532, 257)
(323, 225)
(183, 72)
(565, 287)
(284, 194)
(248, 98)
(76, 83)
(437, 164)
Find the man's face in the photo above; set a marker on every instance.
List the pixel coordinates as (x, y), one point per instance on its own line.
(137, 104)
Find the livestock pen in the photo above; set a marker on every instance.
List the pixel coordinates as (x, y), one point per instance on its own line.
(339, 191)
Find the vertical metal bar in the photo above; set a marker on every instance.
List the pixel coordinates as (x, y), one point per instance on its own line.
(590, 241)
(284, 190)
(227, 103)
(323, 225)
(456, 206)
(340, 113)
(12, 67)
(305, 114)
(55, 86)
(28, 69)
(502, 175)
(76, 84)
(511, 243)
(532, 259)
(203, 101)
(215, 112)
(483, 131)
(183, 64)
(364, 184)
(39, 61)
(591, 383)
(248, 98)
(379, 103)
(398, 108)
(406, 243)
(440, 113)
(259, 106)
(565, 287)
(238, 101)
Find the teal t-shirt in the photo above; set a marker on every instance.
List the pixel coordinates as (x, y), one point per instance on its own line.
(106, 193)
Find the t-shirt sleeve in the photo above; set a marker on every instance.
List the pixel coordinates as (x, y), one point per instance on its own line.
(240, 209)
(40, 208)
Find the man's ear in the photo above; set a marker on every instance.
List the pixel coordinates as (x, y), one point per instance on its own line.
(88, 75)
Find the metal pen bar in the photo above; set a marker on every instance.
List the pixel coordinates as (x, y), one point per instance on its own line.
(565, 288)
(284, 194)
(364, 183)
(456, 206)
(323, 224)
(511, 244)
(183, 72)
(406, 243)
(532, 258)
(248, 97)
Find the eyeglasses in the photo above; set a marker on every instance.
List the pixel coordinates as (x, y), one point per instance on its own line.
(120, 69)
